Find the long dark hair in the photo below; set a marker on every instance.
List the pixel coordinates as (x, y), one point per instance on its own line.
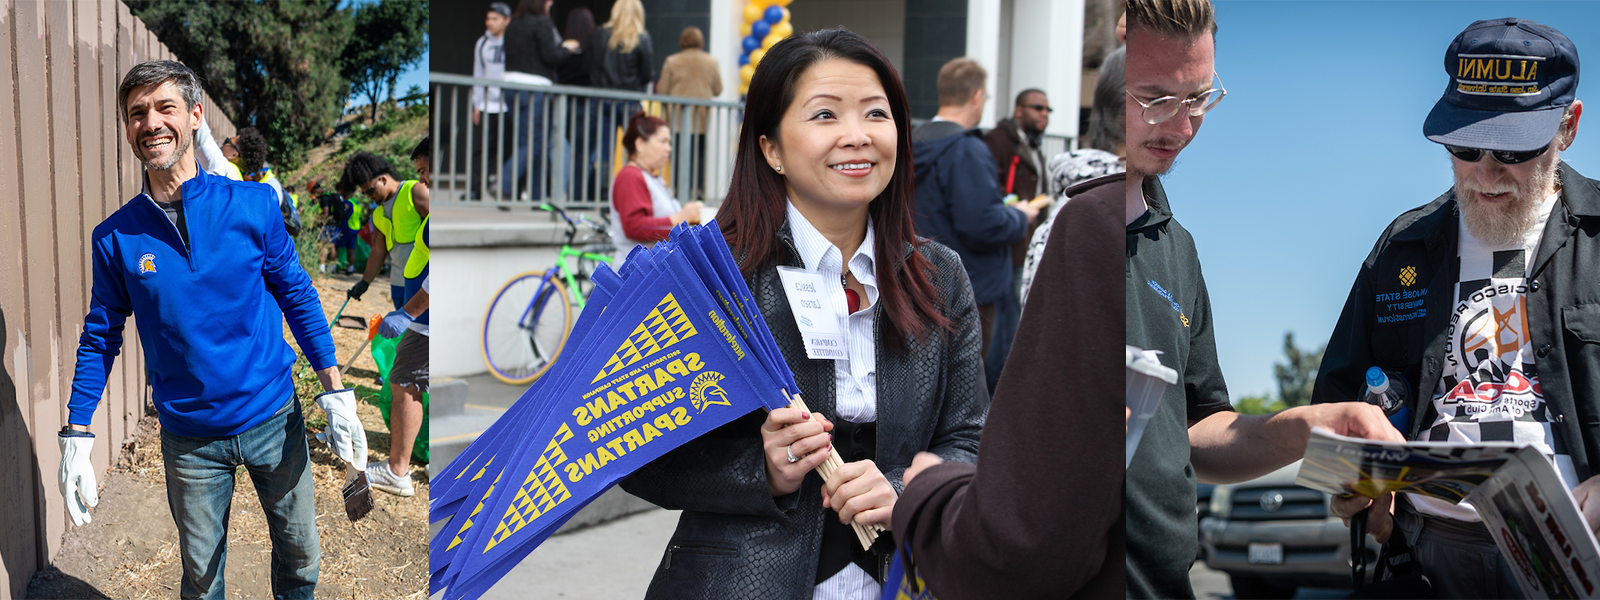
(528, 8)
(580, 25)
(754, 211)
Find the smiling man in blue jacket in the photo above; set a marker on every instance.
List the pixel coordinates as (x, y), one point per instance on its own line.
(204, 264)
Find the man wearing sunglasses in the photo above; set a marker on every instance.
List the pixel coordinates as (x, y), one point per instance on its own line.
(1194, 434)
(401, 207)
(1019, 158)
(1485, 299)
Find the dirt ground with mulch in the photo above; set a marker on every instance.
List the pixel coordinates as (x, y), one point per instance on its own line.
(130, 550)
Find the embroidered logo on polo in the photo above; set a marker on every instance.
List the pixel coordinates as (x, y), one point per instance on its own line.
(1168, 295)
(1408, 276)
(1489, 390)
(1497, 74)
(147, 263)
(663, 327)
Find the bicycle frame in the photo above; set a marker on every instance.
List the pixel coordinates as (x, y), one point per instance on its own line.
(530, 315)
(563, 268)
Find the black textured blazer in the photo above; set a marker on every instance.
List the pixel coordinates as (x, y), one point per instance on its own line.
(734, 539)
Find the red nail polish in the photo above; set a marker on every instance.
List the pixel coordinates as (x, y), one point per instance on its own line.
(805, 416)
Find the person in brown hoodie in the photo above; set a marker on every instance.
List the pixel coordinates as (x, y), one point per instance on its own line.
(1040, 514)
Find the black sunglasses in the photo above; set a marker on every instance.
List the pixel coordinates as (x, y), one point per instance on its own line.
(1042, 107)
(1505, 157)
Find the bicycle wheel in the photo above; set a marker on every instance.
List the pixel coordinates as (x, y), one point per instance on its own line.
(526, 327)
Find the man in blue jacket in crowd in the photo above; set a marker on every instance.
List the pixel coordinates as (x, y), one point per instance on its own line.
(958, 193)
(206, 266)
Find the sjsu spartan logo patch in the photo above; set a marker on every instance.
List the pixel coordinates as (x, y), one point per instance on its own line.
(147, 263)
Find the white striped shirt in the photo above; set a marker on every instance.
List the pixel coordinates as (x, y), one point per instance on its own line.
(855, 378)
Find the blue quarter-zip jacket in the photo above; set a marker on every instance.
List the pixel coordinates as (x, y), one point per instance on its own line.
(209, 313)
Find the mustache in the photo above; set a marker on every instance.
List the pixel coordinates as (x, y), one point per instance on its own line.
(1502, 188)
(158, 133)
(1171, 142)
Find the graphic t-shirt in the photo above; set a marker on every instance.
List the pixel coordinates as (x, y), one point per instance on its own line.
(489, 63)
(1489, 388)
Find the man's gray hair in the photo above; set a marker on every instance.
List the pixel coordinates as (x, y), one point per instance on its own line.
(156, 72)
(1106, 130)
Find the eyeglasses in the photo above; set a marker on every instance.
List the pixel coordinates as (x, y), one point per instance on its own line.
(1163, 108)
(228, 143)
(368, 189)
(1042, 107)
(1505, 157)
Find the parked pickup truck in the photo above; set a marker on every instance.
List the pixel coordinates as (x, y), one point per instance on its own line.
(1271, 536)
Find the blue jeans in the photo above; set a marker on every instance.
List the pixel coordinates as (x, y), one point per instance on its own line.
(200, 481)
(524, 111)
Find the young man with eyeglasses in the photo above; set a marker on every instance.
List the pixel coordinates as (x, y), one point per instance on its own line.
(1194, 434)
(1484, 299)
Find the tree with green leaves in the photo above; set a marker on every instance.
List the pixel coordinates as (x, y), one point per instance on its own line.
(1258, 405)
(1298, 373)
(390, 36)
(272, 65)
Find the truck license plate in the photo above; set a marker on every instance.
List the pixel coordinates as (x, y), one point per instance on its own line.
(1266, 554)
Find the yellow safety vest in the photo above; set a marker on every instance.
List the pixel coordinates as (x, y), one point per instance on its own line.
(402, 229)
(232, 171)
(419, 253)
(355, 215)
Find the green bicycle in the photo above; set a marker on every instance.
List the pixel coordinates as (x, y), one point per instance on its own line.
(530, 317)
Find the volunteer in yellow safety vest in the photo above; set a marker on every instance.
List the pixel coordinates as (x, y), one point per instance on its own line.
(396, 221)
(408, 378)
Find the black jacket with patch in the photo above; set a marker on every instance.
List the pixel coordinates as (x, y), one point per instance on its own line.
(1399, 309)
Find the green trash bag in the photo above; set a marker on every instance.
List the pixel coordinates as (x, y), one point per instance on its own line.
(383, 350)
(358, 255)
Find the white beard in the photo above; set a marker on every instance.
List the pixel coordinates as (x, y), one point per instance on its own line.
(1504, 223)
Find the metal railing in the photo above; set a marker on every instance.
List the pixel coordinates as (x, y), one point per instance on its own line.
(563, 144)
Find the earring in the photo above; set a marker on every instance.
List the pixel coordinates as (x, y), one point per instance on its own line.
(779, 168)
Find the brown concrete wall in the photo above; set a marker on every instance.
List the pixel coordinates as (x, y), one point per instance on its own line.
(64, 167)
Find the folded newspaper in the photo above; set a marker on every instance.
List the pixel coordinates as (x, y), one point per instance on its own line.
(1449, 471)
(1531, 515)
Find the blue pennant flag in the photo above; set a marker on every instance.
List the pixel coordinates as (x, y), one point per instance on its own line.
(900, 585)
(666, 350)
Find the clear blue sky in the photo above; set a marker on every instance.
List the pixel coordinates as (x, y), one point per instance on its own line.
(1318, 146)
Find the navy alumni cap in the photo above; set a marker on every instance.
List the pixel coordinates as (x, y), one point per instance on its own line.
(1510, 81)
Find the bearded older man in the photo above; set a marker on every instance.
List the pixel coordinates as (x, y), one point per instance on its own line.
(1485, 299)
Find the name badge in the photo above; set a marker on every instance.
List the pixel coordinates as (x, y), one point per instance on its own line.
(813, 314)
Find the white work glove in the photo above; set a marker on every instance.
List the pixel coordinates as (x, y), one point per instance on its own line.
(344, 432)
(78, 486)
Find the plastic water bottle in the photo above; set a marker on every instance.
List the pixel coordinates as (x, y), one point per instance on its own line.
(1388, 390)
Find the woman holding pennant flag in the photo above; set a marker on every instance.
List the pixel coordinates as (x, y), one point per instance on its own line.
(877, 326)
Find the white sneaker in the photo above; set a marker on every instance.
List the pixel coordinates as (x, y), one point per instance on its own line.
(382, 479)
